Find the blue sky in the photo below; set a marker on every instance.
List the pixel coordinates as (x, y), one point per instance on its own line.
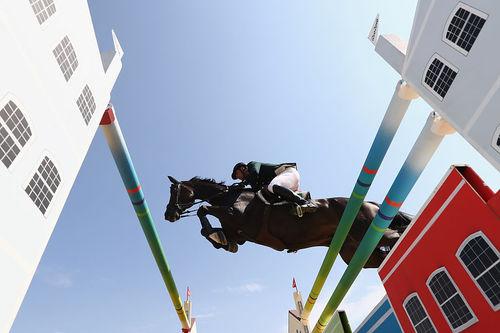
(206, 84)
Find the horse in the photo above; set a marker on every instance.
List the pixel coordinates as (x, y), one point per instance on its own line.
(244, 216)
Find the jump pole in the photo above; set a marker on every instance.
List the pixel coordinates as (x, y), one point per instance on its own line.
(116, 142)
(427, 143)
(401, 99)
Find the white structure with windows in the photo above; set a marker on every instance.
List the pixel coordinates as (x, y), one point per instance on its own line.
(455, 309)
(54, 86)
(43, 186)
(86, 104)
(481, 260)
(463, 27)
(66, 57)
(439, 76)
(452, 61)
(43, 9)
(15, 132)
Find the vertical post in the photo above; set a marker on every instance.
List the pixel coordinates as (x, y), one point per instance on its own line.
(400, 102)
(116, 143)
(294, 323)
(428, 141)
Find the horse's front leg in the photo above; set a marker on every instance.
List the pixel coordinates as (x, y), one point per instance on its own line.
(216, 236)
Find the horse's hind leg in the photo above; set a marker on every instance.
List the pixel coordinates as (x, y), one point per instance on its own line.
(376, 258)
(386, 244)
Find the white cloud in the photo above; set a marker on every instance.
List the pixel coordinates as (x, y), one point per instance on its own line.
(246, 288)
(204, 315)
(250, 288)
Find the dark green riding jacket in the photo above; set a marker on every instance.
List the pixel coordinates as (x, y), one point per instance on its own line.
(261, 174)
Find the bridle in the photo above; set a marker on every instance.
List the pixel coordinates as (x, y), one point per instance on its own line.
(189, 212)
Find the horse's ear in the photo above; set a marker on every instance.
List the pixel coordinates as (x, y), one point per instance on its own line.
(173, 180)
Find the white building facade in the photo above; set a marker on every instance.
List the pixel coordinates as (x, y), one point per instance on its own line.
(452, 61)
(54, 88)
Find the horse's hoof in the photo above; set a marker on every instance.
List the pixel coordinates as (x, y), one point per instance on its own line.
(232, 247)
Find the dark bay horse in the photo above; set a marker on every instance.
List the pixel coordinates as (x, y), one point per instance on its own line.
(245, 217)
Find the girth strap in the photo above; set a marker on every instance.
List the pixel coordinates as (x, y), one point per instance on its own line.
(264, 235)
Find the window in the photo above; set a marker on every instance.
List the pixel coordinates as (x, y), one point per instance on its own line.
(44, 184)
(86, 104)
(495, 140)
(464, 27)
(450, 300)
(439, 76)
(482, 262)
(14, 133)
(66, 57)
(43, 9)
(418, 315)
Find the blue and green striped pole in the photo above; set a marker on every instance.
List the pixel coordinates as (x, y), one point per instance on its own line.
(116, 143)
(396, 110)
(427, 143)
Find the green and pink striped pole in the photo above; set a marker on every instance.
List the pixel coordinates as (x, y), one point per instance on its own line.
(427, 143)
(118, 147)
(400, 102)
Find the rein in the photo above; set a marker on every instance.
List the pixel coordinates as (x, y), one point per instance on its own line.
(188, 213)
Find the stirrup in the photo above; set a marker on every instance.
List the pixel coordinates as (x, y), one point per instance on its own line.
(299, 210)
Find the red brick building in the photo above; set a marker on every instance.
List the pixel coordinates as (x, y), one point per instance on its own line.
(444, 274)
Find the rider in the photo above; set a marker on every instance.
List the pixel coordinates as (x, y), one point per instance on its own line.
(281, 179)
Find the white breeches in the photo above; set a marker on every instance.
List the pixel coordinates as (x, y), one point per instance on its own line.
(289, 178)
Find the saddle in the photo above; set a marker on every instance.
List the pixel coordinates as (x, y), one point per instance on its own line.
(271, 199)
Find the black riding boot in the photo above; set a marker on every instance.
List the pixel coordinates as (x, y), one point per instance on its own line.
(288, 195)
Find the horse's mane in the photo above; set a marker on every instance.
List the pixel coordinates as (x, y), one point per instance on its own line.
(206, 180)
